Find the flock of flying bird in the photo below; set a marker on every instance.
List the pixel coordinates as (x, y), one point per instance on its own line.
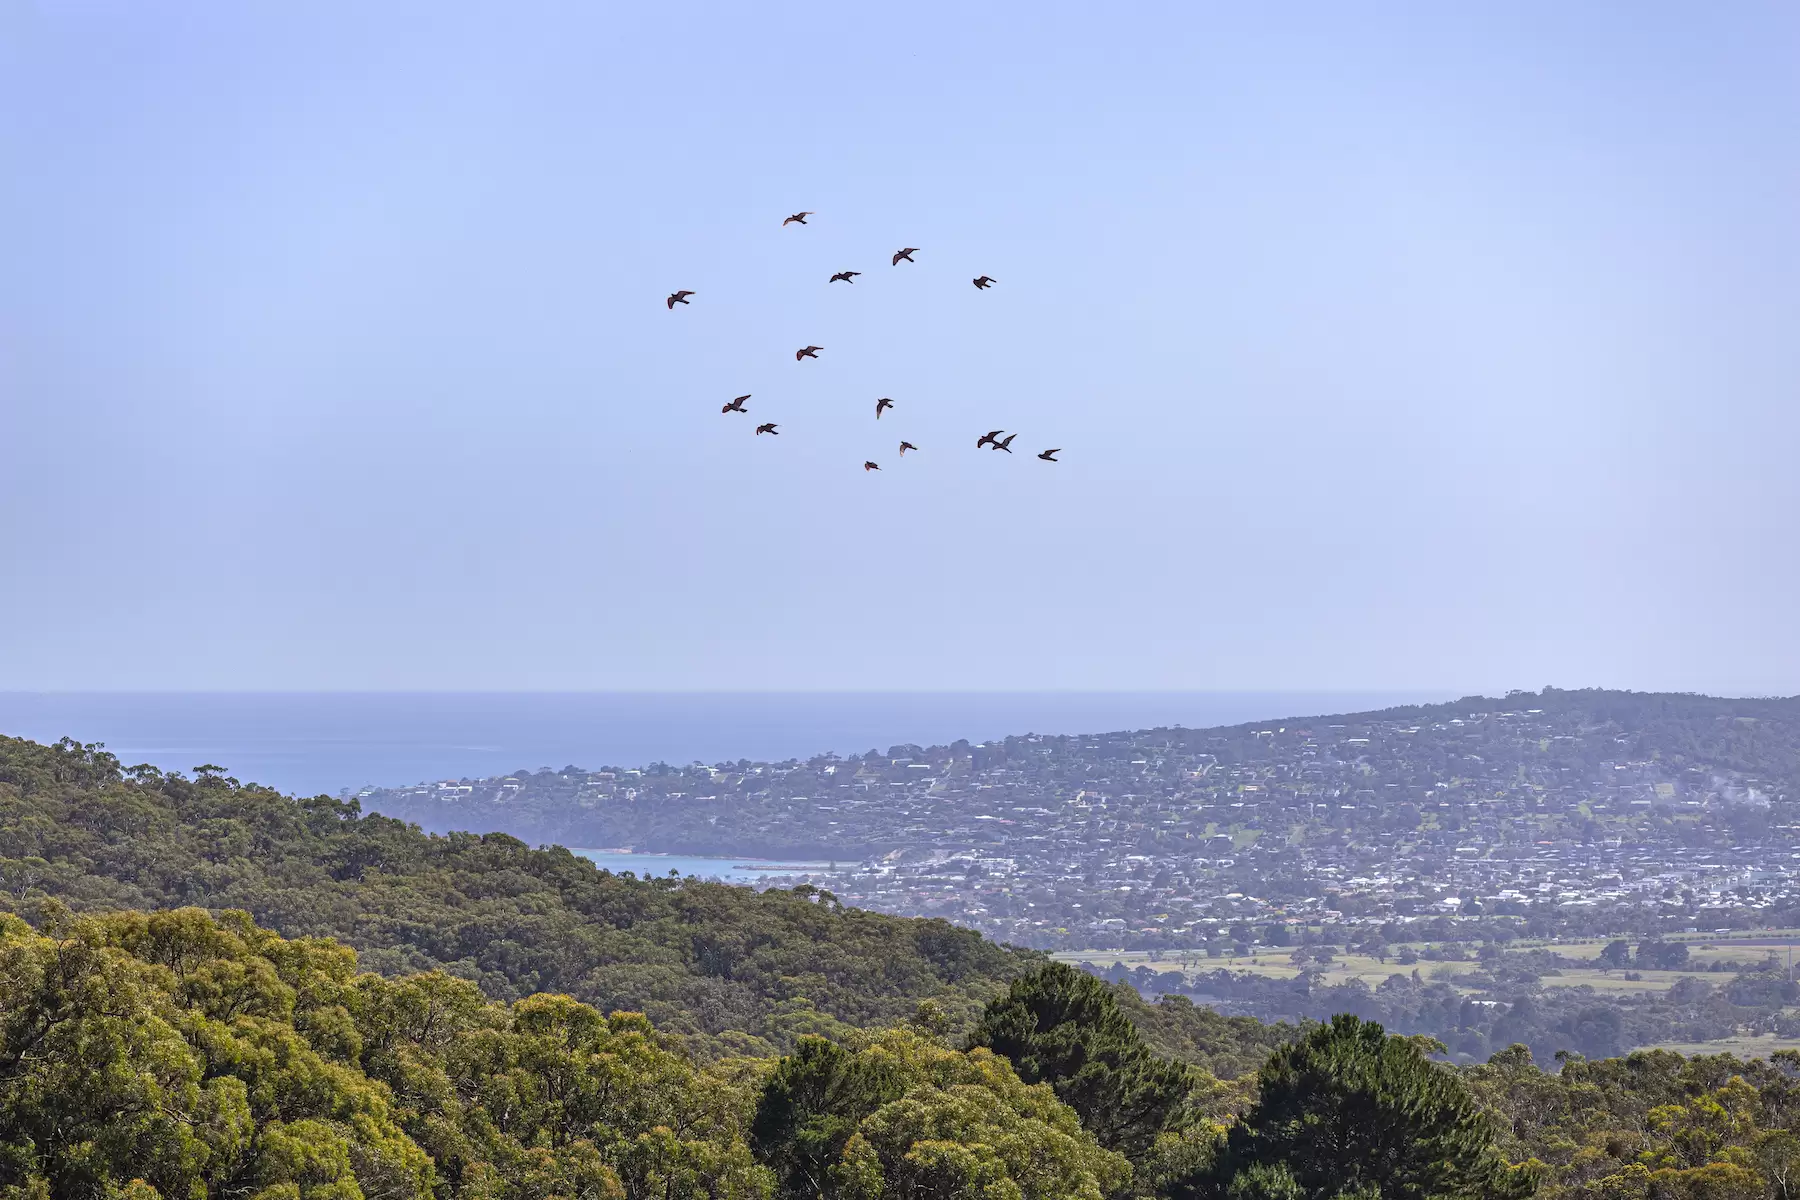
(991, 439)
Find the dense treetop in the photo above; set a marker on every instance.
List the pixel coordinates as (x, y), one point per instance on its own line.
(175, 1055)
(901, 1114)
(1060, 1026)
(1349, 1111)
(172, 1054)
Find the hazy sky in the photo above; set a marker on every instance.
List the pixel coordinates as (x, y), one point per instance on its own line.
(1447, 346)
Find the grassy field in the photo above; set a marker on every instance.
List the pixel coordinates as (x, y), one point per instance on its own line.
(1760, 1046)
(1275, 964)
(1372, 971)
(1703, 951)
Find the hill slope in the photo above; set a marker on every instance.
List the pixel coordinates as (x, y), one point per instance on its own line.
(997, 794)
(731, 969)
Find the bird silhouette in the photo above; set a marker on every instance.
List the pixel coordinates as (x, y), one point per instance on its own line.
(737, 405)
(846, 276)
(807, 352)
(678, 298)
(1005, 443)
(799, 217)
(869, 466)
(905, 446)
(984, 282)
(990, 439)
(882, 405)
(906, 254)
(768, 428)
(1050, 455)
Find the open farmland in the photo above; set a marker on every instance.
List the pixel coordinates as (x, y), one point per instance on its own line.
(1596, 997)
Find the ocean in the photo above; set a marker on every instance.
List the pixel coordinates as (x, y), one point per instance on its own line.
(324, 742)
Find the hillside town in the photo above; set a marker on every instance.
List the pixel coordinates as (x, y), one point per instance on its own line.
(1544, 814)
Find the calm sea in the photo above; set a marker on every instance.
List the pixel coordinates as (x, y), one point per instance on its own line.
(328, 742)
(731, 869)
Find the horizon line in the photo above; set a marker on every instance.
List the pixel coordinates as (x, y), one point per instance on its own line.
(723, 691)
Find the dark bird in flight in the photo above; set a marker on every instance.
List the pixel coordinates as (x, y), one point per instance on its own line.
(905, 446)
(846, 276)
(984, 282)
(807, 352)
(796, 218)
(1050, 455)
(906, 254)
(678, 298)
(768, 428)
(1005, 443)
(869, 466)
(881, 406)
(990, 439)
(737, 405)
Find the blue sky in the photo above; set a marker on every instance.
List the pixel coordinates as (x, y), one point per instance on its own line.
(1389, 346)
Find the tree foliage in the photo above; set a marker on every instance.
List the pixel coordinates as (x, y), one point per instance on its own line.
(1650, 1126)
(1348, 1110)
(901, 1115)
(1176, 1027)
(1063, 1027)
(177, 1055)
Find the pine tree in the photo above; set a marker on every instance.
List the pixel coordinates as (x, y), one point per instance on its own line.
(1348, 1110)
(810, 1108)
(1063, 1027)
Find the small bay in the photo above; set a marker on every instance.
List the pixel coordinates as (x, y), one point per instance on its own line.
(738, 869)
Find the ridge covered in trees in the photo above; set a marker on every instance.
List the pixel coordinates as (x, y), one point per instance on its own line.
(815, 808)
(734, 970)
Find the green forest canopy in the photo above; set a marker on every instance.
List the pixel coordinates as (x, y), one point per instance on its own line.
(177, 1050)
(180, 1054)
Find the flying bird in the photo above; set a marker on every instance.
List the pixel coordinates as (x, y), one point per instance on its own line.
(905, 446)
(768, 428)
(1005, 443)
(737, 405)
(678, 298)
(906, 254)
(990, 439)
(881, 406)
(807, 352)
(984, 282)
(869, 466)
(846, 276)
(1050, 455)
(799, 218)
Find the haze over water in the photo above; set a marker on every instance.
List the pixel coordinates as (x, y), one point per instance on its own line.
(327, 742)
